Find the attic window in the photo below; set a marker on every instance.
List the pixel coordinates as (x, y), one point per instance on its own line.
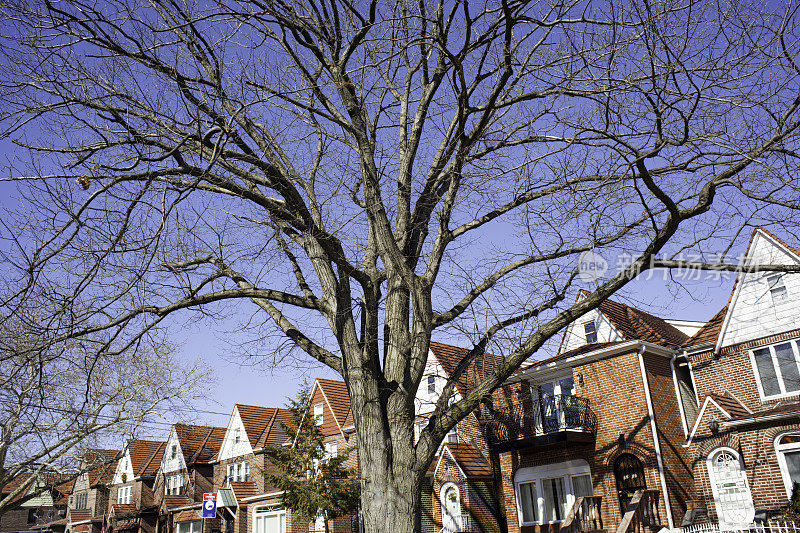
(590, 330)
(318, 414)
(776, 287)
(431, 384)
(237, 435)
(174, 451)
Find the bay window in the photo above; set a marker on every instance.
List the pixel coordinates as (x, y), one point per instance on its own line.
(546, 493)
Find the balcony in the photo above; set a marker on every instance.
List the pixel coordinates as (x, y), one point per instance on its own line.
(544, 421)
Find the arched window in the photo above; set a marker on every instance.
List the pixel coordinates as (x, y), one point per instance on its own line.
(451, 508)
(732, 497)
(629, 476)
(787, 448)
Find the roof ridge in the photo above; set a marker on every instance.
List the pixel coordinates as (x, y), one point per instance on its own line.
(155, 452)
(202, 445)
(266, 431)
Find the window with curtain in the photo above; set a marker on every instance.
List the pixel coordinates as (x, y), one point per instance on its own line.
(554, 499)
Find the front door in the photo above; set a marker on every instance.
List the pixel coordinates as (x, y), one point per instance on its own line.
(732, 496)
(451, 509)
(629, 476)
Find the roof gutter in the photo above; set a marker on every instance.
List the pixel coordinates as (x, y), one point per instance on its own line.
(261, 496)
(656, 444)
(758, 419)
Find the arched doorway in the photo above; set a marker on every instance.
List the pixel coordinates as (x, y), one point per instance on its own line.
(451, 508)
(732, 496)
(629, 476)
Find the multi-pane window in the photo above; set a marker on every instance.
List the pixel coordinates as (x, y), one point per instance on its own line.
(545, 493)
(80, 501)
(173, 484)
(452, 436)
(237, 435)
(192, 526)
(173, 453)
(431, 384)
(318, 414)
(269, 520)
(778, 369)
(590, 331)
(239, 471)
(125, 494)
(777, 289)
(331, 449)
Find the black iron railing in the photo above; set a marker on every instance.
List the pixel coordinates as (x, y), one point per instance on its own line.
(542, 416)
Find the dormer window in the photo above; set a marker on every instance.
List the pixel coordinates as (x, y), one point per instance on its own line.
(431, 384)
(318, 415)
(777, 289)
(590, 331)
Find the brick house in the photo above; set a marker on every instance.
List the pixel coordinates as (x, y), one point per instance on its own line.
(89, 499)
(701, 420)
(37, 511)
(132, 503)
(185, 474)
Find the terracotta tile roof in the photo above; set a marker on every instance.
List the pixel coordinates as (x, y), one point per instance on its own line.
(79, 515)
(199, 444)
(13, 484)
(59, 522)
(638, 325)
(126, 524)
(469, 459)
(450, 356)
(173, 501)
(243, 489)
(263, 424)
(731, 405)
(102, 465)
(146, 456)
(338, 398)
(120, 509)
(187, 515)
(81, 528)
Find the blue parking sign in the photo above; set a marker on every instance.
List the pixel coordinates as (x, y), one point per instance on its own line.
(210, 505)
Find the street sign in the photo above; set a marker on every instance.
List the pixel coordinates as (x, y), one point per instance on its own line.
(209, 505)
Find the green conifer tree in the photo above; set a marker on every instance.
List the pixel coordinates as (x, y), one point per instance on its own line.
(314, 484)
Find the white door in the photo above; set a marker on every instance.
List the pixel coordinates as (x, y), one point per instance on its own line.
(451, 509)
(732, 496)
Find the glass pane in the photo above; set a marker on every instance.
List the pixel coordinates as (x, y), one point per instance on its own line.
(582, 485)
(769, 380)
(567, 386)
(528, 502)
(554, 501)
(788, 365)
(548, 389)
(793, 465)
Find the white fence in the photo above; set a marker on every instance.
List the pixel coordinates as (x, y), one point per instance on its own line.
(773, 526)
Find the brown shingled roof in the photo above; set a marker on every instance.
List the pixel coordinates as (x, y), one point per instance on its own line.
(102, 465)
(199, 444)
(731, 405)
(478, 370)
(187, 515)
(146, 456)
(173, 501)
(79, 515)
(243, 489)
(781, 408)
(13, 484)
(121, 509)
(639, 325)
(709, 332)
(469, 459)
(263, 424)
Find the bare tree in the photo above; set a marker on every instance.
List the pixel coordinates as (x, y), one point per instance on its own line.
(366, 175)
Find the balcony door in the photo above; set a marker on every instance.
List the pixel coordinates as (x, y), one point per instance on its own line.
(558, 403)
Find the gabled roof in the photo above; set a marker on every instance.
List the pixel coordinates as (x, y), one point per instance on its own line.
(580, 350)
(635, 324)
(174, 501)
(730, 405)
(479, 369)
(338, 398)
(105, 464)
(199, 444)
(78, 515)
(145, 456)
(122, 509)
(709, 332)
(470, 460)
(263, 424)
(13, 484)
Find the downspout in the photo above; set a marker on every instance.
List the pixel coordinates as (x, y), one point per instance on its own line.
(656, 444)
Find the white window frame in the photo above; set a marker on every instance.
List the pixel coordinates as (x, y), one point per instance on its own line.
(566, 470)
(239, 471)
(795, 343)
(774, 285)
(173, 452)
(331, 449)
(319, 413)
(259, 512)
(780, 449)
(173, 484)
(194, 526)
(125, 495)
(587, 333)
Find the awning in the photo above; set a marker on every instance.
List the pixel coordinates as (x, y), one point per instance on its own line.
(225, 497)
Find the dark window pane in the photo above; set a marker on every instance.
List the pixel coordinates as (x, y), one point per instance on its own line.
(769, 380)
(788, 365)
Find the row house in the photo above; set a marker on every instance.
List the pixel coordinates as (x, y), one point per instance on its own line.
(35, 511)
(664, 421)
(90, 497)
(132, 500)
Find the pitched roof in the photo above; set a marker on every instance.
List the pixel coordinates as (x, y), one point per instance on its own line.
(263, 424)
(145, 456)
(709, 332)
(478, 369)
(199, 444)
(338, 398)
(102, 465)
(187, 515)
(79, 515)
(779, 409)
(635, 324)
(470, 460)
(580, 350)
(731, 405)
(121, 509)
(243, 489)
(173, 501)
(13, 484)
